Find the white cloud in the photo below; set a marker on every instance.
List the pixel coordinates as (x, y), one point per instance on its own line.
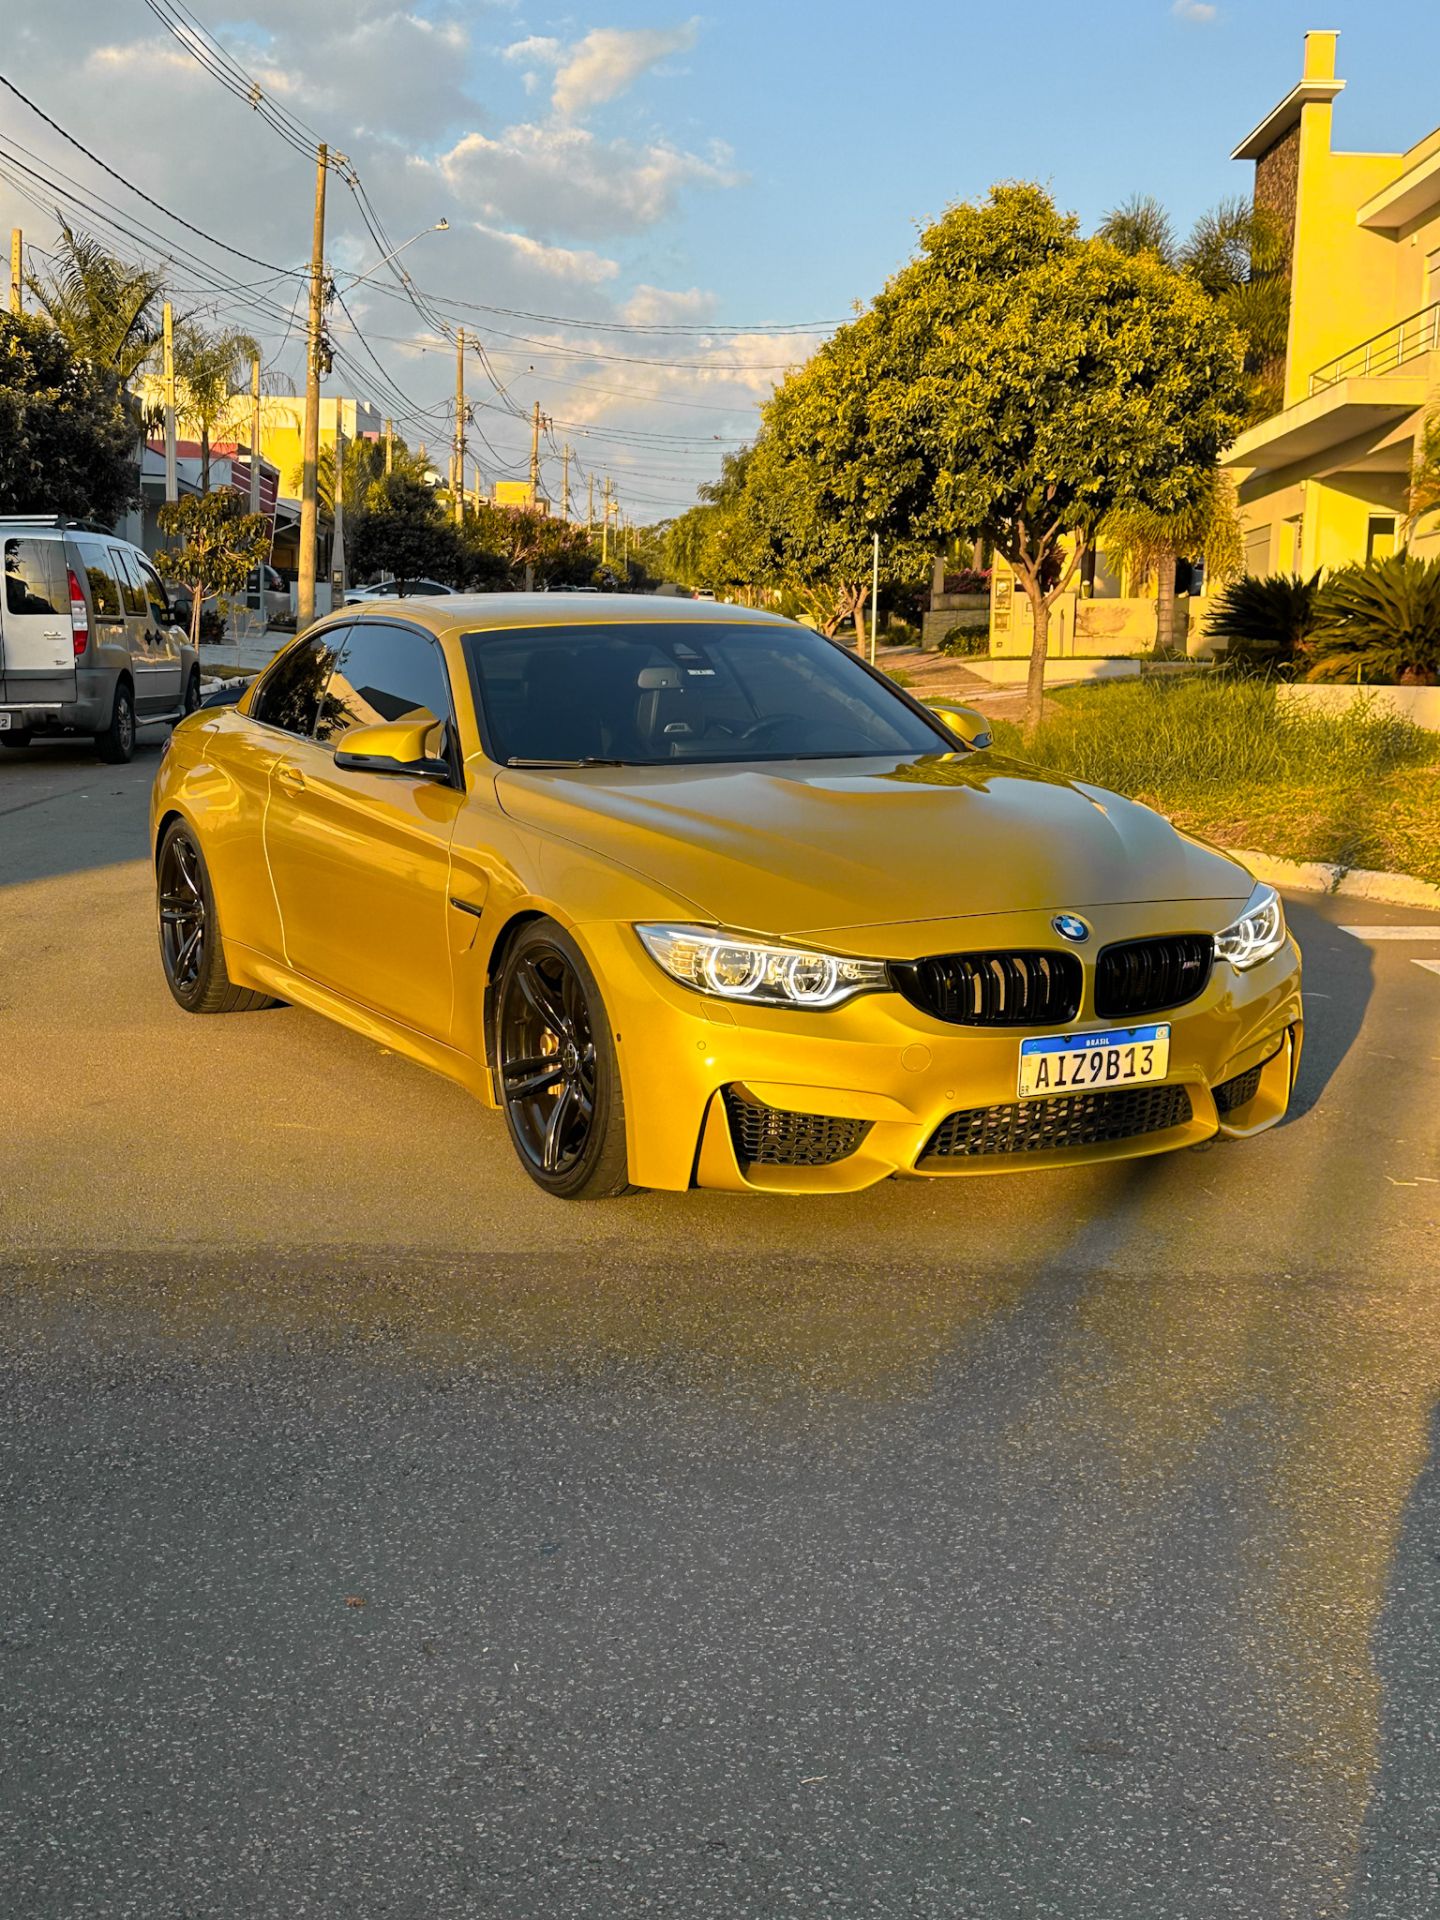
(566, 180)
(1198, 12)
(611, 59)
(655, 306)
(576, 264)
(535, 51)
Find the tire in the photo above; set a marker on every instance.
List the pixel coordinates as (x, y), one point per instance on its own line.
(15, 738)
(116, 743)
(192, 692)
(555, 1056)
(191, 951)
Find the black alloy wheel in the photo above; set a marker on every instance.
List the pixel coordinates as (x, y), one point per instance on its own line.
(559, 1077)
(190, 945)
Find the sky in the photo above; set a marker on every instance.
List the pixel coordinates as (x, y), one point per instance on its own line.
(653, 211)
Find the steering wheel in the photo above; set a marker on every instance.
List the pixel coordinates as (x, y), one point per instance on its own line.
(760, 728)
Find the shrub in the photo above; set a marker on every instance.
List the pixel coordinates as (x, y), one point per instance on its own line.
(966, 639)
(1379, 623)
(967, 580)
(1265, 622)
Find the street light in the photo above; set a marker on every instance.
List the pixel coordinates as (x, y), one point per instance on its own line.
(440, 226)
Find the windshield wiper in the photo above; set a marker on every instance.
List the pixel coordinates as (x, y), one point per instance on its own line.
(591, 760)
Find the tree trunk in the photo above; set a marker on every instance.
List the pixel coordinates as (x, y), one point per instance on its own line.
(204, 458)
(977, 556)
(1039, 647)
(196, 598)
(1165, 606)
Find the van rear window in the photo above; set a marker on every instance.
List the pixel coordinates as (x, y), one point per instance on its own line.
(35, 578)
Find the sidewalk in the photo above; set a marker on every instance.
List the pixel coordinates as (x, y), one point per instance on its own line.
(250, 652)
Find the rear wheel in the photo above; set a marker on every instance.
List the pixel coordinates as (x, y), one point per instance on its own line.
(192, 691)
(190, 947)
(116, 743)
(15, 737)
(559, 1075)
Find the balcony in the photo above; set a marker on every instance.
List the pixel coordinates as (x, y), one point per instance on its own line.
(1385, 352)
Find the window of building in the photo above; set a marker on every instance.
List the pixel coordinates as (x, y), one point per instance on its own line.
(1380, 537)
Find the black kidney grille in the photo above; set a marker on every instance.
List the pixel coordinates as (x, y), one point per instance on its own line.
(1142, 976)
(1070, 1120)
(770, 1137)
(1028, 989)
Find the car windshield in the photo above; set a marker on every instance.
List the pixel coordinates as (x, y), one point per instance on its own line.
(653, 692)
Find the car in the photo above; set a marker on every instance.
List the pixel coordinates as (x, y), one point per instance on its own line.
(89, 642)
(697, 898)
(396, 589)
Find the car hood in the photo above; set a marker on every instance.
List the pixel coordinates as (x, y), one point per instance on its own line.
(803, 847)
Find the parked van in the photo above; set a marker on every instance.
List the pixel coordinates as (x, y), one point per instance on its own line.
(88, 642)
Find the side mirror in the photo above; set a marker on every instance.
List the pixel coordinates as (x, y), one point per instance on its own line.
(394, 746)
(971, 727)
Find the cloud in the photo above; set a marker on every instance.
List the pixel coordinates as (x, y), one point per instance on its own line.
(554, 180)
(536, 51)
(1199, 13)
(611, 59)
(575, 264)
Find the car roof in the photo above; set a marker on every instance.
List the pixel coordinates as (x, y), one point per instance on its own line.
(479, 612)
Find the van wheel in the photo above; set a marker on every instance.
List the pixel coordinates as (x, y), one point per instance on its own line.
(192, 691)
(116, 744)
(190, 947)
(15, 738)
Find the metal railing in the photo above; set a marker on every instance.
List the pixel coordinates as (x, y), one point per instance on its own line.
(1387, 351)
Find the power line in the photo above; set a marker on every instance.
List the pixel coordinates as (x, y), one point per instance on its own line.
(139, 193)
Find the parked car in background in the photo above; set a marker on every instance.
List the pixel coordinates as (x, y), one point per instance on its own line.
(392, 589)
(89, 641)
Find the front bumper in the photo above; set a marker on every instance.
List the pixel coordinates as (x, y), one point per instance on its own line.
(882, 1062)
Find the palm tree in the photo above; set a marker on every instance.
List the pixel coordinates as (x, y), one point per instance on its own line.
(1140, 225)
(1142, 543)
(1237, 252)
(1424, 496)
(209, 368)
(104, 307)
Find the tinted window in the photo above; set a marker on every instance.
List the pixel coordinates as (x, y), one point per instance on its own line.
(104, 587)
(155, 594)
(650, 693)
(35, 579)
(289, 696)
(130, 587)
(384, 673)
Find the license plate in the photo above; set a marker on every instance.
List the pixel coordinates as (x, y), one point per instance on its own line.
(4, 723)
(1090, 1062)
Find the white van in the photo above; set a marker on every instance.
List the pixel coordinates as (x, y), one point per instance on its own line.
(88, 643)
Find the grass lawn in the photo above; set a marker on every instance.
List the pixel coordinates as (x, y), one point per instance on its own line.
(1222, 759)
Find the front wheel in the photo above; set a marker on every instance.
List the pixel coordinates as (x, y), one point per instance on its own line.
(190, 946)
(559, 1075)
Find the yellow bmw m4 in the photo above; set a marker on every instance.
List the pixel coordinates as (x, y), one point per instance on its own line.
(696, 898)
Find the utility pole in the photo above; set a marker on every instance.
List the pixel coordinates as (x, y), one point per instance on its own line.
(565, 487)
(337, 544)
(589, 505)
(605, 523)
(389, 446)
(310, 442)
(255, 435)
(460, 427)
(17, 276)
(535, 456)
(167, 323)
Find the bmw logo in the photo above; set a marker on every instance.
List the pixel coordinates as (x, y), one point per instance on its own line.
(1070, 926)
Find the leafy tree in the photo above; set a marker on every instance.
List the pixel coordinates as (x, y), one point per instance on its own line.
(219, 545)
(1265, 622)
(106, 309)
(1022, 384)
(401, 531)
(1141, 225)
(209, 367)
(1424, 494)
(556, 552)
(67, 444)
(1380, 623)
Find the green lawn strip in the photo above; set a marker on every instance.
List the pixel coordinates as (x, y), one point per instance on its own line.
(1224, 761)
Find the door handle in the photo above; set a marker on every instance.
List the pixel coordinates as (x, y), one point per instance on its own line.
(290, 778)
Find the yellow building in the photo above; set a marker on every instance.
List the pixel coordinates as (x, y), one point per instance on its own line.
(1323, 483)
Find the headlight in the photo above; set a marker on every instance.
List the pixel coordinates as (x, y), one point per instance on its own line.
(735, 967)
(1257, 935)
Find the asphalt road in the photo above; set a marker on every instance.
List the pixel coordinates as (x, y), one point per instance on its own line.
(382, 1539)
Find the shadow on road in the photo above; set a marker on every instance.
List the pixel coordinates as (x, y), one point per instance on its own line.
(41, 781)
(1339, 980)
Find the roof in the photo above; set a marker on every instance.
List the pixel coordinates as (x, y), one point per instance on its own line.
(1280, 119)
(469, 612)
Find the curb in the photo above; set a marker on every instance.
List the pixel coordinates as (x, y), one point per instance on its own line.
(1358, 883)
